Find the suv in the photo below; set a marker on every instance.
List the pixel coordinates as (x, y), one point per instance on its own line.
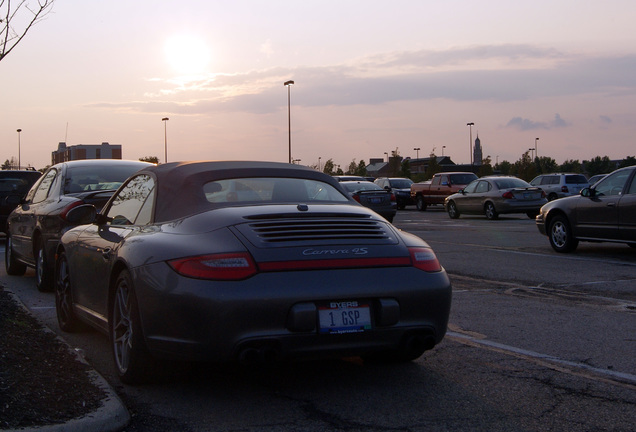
(400, 186)
(559, 185)
(14, 185)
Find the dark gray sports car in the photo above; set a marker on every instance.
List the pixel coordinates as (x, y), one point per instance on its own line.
(249, 262)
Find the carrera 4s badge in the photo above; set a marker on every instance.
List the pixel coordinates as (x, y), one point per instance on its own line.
(335, 252)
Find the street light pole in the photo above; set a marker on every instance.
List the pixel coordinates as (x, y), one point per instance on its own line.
(535, 148)
(443, 147)
(470, 126)
(19, 164)
(417, 152)
(288, 84)
(165, 138)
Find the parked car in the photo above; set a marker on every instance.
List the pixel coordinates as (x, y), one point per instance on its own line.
(342, 178)
(35, 226)
(302, 271)
(605, 212)
(595, 178)
(559, 185)
(373, 196)
(436, 190)
(493, 196)
(14, 185)
(400, 186)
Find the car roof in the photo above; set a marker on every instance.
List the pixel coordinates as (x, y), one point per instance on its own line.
(182, 182)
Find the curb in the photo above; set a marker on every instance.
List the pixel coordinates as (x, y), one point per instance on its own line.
(111, 416)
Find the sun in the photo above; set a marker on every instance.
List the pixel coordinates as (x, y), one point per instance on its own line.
(187, 54)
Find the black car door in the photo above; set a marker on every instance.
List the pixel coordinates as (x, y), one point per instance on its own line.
(597, 216)
(627, 212)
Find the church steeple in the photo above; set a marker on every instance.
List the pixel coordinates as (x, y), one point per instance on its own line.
(477, 152)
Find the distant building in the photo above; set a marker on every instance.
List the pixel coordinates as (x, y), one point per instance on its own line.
(85, 151)
(477, 152)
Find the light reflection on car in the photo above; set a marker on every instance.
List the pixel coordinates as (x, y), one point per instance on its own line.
(371, 195)
(247, 262)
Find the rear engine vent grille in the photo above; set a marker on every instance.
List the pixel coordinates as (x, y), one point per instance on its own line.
(287, 232)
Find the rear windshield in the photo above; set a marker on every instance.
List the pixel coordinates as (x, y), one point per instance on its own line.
(360, 186)
(15, 185)
(401, 184)
(510, 183)
(462, 178)
(95, 177)
(575, 179)
(269, 190)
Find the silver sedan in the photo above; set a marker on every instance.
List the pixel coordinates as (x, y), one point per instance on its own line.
(492, 196)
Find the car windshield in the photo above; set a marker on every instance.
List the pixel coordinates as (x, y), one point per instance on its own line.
(14, 185)
(269, 189)
(360, 186)
(510, 183)
(95, 177)
(401, 183)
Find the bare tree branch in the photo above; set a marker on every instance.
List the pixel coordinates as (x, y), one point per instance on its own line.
(17, 18)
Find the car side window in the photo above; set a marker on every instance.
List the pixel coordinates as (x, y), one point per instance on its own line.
(44, 186)
(436, 181)
(613, 184)
(134, 202)
(632, 188)
(482, 187)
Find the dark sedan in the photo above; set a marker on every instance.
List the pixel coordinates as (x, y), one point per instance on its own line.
(179, 265)
(493, 196)
(604, 212)
(14, 185)
(35, 226)
(373, 196)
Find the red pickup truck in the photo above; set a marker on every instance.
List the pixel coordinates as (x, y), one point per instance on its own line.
(436, 190)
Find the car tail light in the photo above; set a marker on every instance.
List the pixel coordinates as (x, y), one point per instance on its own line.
(393, 199)
(543, 195)
(229, 266)
(564, 188)
(508, 195)
(425, 259)
(356, 197)
(69, 207)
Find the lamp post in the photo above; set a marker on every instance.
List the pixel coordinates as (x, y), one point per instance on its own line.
(387, 156)
(535, 148)
(165, 138)
(288, 84)
(319, 160)
(470, 142)
(417, 152)
(443, 147)
(531, 150)
(19, 164)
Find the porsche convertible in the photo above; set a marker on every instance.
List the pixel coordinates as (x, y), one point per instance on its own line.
(246, 262)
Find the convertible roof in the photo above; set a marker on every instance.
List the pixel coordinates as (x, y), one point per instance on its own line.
(180, 184)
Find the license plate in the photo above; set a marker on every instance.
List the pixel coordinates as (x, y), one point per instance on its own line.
(344, 317)
(375, 200)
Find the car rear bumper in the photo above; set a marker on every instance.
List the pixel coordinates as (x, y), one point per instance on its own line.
(274, 315)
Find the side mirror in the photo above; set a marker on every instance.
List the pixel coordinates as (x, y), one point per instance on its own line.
(82, 215)
(461, 191)
(588, 192)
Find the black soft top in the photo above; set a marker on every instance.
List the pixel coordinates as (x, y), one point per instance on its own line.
(180, 184)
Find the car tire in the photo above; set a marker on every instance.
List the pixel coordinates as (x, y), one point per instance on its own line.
(420, 203)
(43, 278)
(66, 317)
(560, 235)
(490, 211)
(130, 354)
(453, 213)
(11, 264)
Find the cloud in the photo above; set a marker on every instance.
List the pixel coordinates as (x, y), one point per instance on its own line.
(477, 73)
(605, 119)
(524, 124)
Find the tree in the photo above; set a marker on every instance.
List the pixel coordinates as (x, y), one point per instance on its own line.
(151, 159)
(485, 169)
(353, 167)
(545, 165)
(570, 165)
(328, 168)
(13, 24)
(524, 168)
(628, 161)
(432, 168)
(504, 167)
(362, 169)
(599, 165)
(406, 168)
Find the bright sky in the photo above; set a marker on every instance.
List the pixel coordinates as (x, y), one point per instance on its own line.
(370, 77)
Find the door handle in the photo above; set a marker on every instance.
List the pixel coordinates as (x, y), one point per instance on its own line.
(106, 253)
(611, 204)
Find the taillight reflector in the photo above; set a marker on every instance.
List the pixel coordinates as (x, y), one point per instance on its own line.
(508, 195)
(231, 266)
(69, 207)
(425, 259)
